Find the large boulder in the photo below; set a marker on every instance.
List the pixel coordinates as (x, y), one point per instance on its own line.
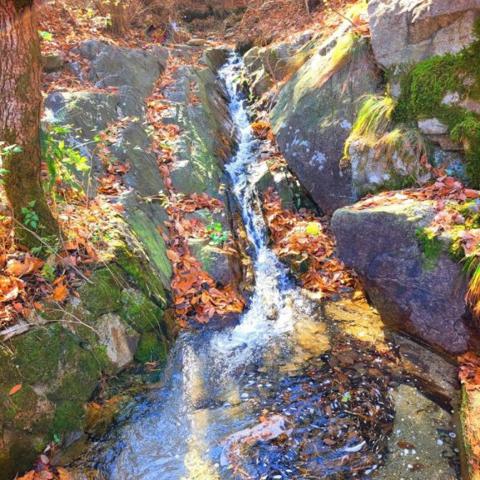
(408, 31)
(198, 105)
(316, 110)
(415, 284)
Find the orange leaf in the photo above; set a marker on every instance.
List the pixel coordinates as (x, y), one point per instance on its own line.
(29, 265)
(173, 256)
(15, 389)
(9, 288)
(63, 474)
(469, 193)
(60, 293)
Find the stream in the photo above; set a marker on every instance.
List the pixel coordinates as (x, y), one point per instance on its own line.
(285, 394)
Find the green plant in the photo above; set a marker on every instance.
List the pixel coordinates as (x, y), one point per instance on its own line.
(373, 120)
(407, 142)
(62, 160)
(48, 246)
(467, 132)
(218, 236)
(30, 217)
(342, 50)
(431, 246)
(46, 36)
(7, 151)
(48, 273)
(472, 270)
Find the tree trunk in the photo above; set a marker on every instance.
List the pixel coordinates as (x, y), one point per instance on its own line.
(118, 18)
(20, 110)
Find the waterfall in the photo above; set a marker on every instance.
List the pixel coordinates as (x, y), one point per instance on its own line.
(177, 431)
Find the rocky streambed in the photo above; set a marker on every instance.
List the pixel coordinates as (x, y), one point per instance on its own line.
(298, 389)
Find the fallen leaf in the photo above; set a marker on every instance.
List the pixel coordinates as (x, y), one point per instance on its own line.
(15, 389)
(29, 265)
(60, 292)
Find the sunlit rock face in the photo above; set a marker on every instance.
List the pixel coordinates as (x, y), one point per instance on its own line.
(314, 116)
(408, 31)
(420, 292)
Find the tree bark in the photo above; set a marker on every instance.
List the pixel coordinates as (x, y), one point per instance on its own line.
(20, 111)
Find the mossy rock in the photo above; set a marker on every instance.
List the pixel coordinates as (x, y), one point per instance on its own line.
(20, 455)
(58, 370)
(143, 275)
(139, 312)
(69, 417)
(104, 291)
(427, 85)
(157, 278)
(153, 347)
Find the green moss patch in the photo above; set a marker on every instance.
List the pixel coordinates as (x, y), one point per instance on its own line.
(139, 312)
(151, 348)
(431, 247)
(425, 87)
(103, 293)
(143, 275)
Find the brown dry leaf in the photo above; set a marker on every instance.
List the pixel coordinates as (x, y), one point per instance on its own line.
(10, 288)
(29, 265)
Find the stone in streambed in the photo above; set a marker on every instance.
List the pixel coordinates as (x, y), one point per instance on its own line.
(420, 430)
(53, 62)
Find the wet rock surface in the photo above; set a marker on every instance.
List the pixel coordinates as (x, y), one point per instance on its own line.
(417, 454)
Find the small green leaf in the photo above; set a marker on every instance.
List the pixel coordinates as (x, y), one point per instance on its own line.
(46, 36)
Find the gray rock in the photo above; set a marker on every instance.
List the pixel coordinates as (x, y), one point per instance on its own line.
(118, 338)
(214, 58)
(263, 179)
(408, 31)
(133, 146)
(53, 62)
(198, 106)
(422, 296)
(87, 112)
(113, 66)
(371, 171)
(314, 116)
(220, 265)
(432, 126)
(267, 65)
(453, 162)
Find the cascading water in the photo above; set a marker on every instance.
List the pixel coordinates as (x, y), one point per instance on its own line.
(228, 396)
(177, 432)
